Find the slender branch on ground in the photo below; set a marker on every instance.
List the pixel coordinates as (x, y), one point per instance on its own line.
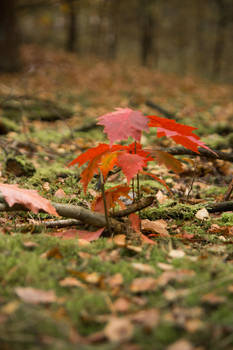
(97, 219)
(57, 223)
(219, 207)
(141, 204)
(72, 211)
(176, 151)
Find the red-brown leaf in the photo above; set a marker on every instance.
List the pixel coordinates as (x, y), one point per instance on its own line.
(168, 160)
(130, 164)
(28, 198)
(123, 123)
(181, 134)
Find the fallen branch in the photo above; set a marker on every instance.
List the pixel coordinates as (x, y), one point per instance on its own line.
(141, 204)
(57, 223)
(75, 212)
(176, 151)
(85, 215)
(160, 109)
(219, 207)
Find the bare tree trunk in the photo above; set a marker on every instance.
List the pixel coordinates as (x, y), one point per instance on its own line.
(112, 35)
(220, 38)
(9, 37)
(200, 41)
(72, 27)
(147, 30)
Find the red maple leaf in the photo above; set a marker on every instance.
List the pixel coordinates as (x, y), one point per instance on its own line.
(123, 123)
(28, 198)
(90, 154)
(104, 157)
(130, 164)
(181, 134)
(94, 157)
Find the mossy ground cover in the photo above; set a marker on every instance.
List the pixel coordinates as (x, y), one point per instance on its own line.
(109, 295)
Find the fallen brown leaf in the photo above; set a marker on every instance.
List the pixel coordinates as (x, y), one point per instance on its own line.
(213, 299)
(60, 193)
(120, 240)
(176, 253)
(71, 282)
(157, 226)
(35, 296)
(181, 344)
(143, 284)
(30, 244)
(148, 318)
(52, 253)
(121, 305)
(115, 280)
(118, 330)
(165, 267)
(143, 267)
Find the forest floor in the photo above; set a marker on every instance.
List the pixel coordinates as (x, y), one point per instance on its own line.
(61, 292)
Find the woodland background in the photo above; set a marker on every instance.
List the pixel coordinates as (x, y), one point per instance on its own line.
(63, 64)
(186, 37)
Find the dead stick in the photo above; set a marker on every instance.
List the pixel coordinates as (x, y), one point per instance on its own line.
(75, 212)
(141, 204)
(219, 207)
(176, 151)
(57, 223)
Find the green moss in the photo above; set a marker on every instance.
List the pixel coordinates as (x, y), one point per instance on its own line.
(227, 218)
(7, 125)
(171, 210)
(51, 173)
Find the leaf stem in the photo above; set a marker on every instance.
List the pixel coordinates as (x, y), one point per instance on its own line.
(105, 203)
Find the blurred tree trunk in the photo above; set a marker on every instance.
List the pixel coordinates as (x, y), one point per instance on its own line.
(220, 37)
(112, 35)
(9, 37)
(72, 26)
(200, 41)
(147, 30)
